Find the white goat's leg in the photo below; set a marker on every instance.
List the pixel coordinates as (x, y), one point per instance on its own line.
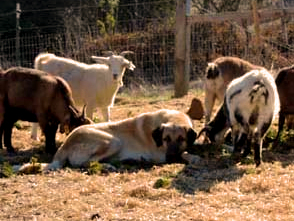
(106, 113)
(34, 132)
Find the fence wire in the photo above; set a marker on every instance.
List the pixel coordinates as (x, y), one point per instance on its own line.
(152, 38)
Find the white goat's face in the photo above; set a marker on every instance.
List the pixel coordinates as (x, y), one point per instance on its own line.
(117, 65)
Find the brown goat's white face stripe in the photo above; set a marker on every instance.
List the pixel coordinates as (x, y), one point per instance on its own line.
(212, 71)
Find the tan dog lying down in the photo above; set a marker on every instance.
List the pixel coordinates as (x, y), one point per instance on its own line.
(156, 137)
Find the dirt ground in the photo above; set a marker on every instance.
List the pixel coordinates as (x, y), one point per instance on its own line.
(210, 190)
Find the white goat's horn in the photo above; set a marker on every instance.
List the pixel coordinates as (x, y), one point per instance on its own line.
(126, 52)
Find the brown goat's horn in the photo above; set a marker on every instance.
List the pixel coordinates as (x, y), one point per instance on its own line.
(125, 53)
(84, 111)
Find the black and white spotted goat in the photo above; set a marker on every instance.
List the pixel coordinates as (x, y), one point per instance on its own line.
(250, 105)
(218, 75)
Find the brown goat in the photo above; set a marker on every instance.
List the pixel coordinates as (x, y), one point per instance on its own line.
(285, 86)
(35, 96)
(218, 75)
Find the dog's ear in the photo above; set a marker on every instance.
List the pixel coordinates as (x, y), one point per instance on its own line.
(157, 136)
(191, 136)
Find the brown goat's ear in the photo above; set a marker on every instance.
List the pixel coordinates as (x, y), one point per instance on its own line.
(191, 136)
(64, 126)
(61, 128)
(157, 136)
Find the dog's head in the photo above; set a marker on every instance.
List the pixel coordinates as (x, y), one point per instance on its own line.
(174, 139)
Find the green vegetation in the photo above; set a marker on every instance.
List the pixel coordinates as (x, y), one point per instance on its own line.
(6, 170)
(163, 182)
(94, 168)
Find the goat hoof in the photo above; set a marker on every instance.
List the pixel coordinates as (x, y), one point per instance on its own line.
(236, 157)
(257, 163)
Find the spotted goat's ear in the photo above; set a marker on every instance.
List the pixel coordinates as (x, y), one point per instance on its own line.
(157, 136)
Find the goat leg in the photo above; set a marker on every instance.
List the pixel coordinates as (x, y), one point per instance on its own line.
(50, 134)
(280, 128)
(1, 133)
(247, 149)
(239, 144)
(257, 143)
(209, 101)
(7, 136)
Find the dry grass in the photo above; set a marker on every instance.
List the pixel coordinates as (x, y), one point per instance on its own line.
(210, 190)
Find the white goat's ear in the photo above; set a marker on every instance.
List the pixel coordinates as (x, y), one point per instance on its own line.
(100, 60)
(131, 66)
(108, 53)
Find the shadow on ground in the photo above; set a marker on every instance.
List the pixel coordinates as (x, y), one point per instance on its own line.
(22, 156)
(203, 176)
(217, 166)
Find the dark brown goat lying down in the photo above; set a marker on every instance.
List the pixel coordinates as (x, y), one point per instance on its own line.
(35, 96)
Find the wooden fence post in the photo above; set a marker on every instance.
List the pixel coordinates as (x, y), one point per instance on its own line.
(182, 48)
(256, 22)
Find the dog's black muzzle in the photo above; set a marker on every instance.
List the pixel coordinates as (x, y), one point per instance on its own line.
(173, 154)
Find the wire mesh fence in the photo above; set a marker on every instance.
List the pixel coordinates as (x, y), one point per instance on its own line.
(152, 37)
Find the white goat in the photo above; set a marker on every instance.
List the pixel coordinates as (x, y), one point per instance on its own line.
(250, 105)
(94, 85)
(218, 75)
